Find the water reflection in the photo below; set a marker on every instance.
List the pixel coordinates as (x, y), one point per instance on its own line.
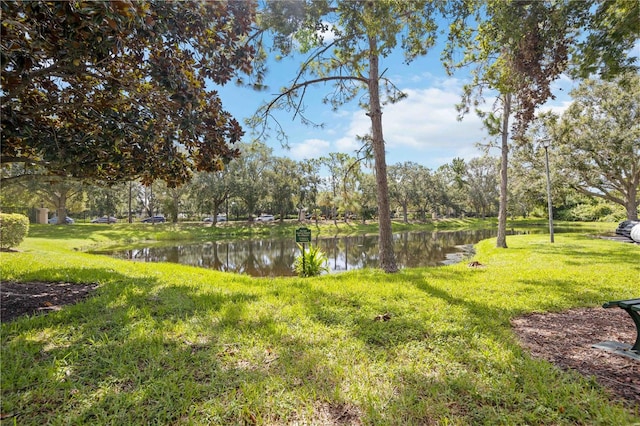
(276, 257)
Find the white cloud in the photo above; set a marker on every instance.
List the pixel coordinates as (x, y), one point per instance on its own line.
(309, 148)
(422, 128)
(329, 35)
(555, 107)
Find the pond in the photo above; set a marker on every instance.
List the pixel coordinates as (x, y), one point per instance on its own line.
(276, 257)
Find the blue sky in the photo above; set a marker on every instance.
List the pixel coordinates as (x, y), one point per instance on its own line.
(422, 128)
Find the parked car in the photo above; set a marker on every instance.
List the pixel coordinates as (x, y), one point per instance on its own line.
(265, 218)
(625, 227)
(635, 233)
(219, 218)
(154, 219)
(105, 219)
(67, 220)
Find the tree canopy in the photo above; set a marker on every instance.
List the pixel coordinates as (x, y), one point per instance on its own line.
(599, 141)
(118, 90)
(612, 28)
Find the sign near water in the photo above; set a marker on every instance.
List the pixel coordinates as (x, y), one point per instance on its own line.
(303, 235)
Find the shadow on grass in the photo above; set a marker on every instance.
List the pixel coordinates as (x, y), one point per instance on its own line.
(141, 351)
(232, 361)
(409, 318)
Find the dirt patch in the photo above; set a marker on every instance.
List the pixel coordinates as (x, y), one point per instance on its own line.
(17, 299)
(563, 338)
(566, 339)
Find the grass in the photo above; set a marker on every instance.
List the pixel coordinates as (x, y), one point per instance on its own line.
(172, 344)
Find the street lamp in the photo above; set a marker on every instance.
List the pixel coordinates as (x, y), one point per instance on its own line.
(546, 143)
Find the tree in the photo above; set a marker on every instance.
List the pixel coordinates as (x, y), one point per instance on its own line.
(56, 192)
(459, 169)
(105, 200)
(117, 90)
(599, 141)
(345, 42)
(344, 173)
(309, 182)
(450, 186)
(527, 181)
(173, 201)
(250, 170)
(517, 49)
(211, 190)
(148, 198)
(404, 187)
(367, 200)
(283, 181)
(482, 175)
(429, 193)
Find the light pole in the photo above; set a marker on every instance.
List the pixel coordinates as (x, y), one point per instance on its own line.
(546, 143)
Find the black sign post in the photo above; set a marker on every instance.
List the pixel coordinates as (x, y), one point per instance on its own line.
(303, 235)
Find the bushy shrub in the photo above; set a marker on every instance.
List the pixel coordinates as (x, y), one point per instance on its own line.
(311, 263)
(13, 229)
(596, 211)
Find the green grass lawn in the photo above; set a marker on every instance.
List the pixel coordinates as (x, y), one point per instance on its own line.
(172, 344)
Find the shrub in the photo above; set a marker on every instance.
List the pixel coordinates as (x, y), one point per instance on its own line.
(597, 211)
(13, 229)
(311, 263)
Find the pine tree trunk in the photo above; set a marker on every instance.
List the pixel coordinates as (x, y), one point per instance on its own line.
(502, 212)
(387, 256)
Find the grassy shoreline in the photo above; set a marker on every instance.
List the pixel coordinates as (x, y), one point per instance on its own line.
(172, 344)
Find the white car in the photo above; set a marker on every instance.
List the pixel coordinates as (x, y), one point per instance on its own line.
(219, 218)
(265, 218)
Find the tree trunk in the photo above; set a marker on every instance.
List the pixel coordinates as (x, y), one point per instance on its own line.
(632, 202)
(387, 256)
(502, 212)
(176, 205)
(129, 205)
(61, 212)
(61, 208)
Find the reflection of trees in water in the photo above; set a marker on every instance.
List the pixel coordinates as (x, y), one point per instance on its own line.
(258, 258)
(211, 253)
(276, 257)
(412, 249)
(346, 253)
(431, 248)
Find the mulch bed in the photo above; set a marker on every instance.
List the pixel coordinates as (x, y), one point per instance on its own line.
(563, 338)
(566, 339)
(17, 299)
